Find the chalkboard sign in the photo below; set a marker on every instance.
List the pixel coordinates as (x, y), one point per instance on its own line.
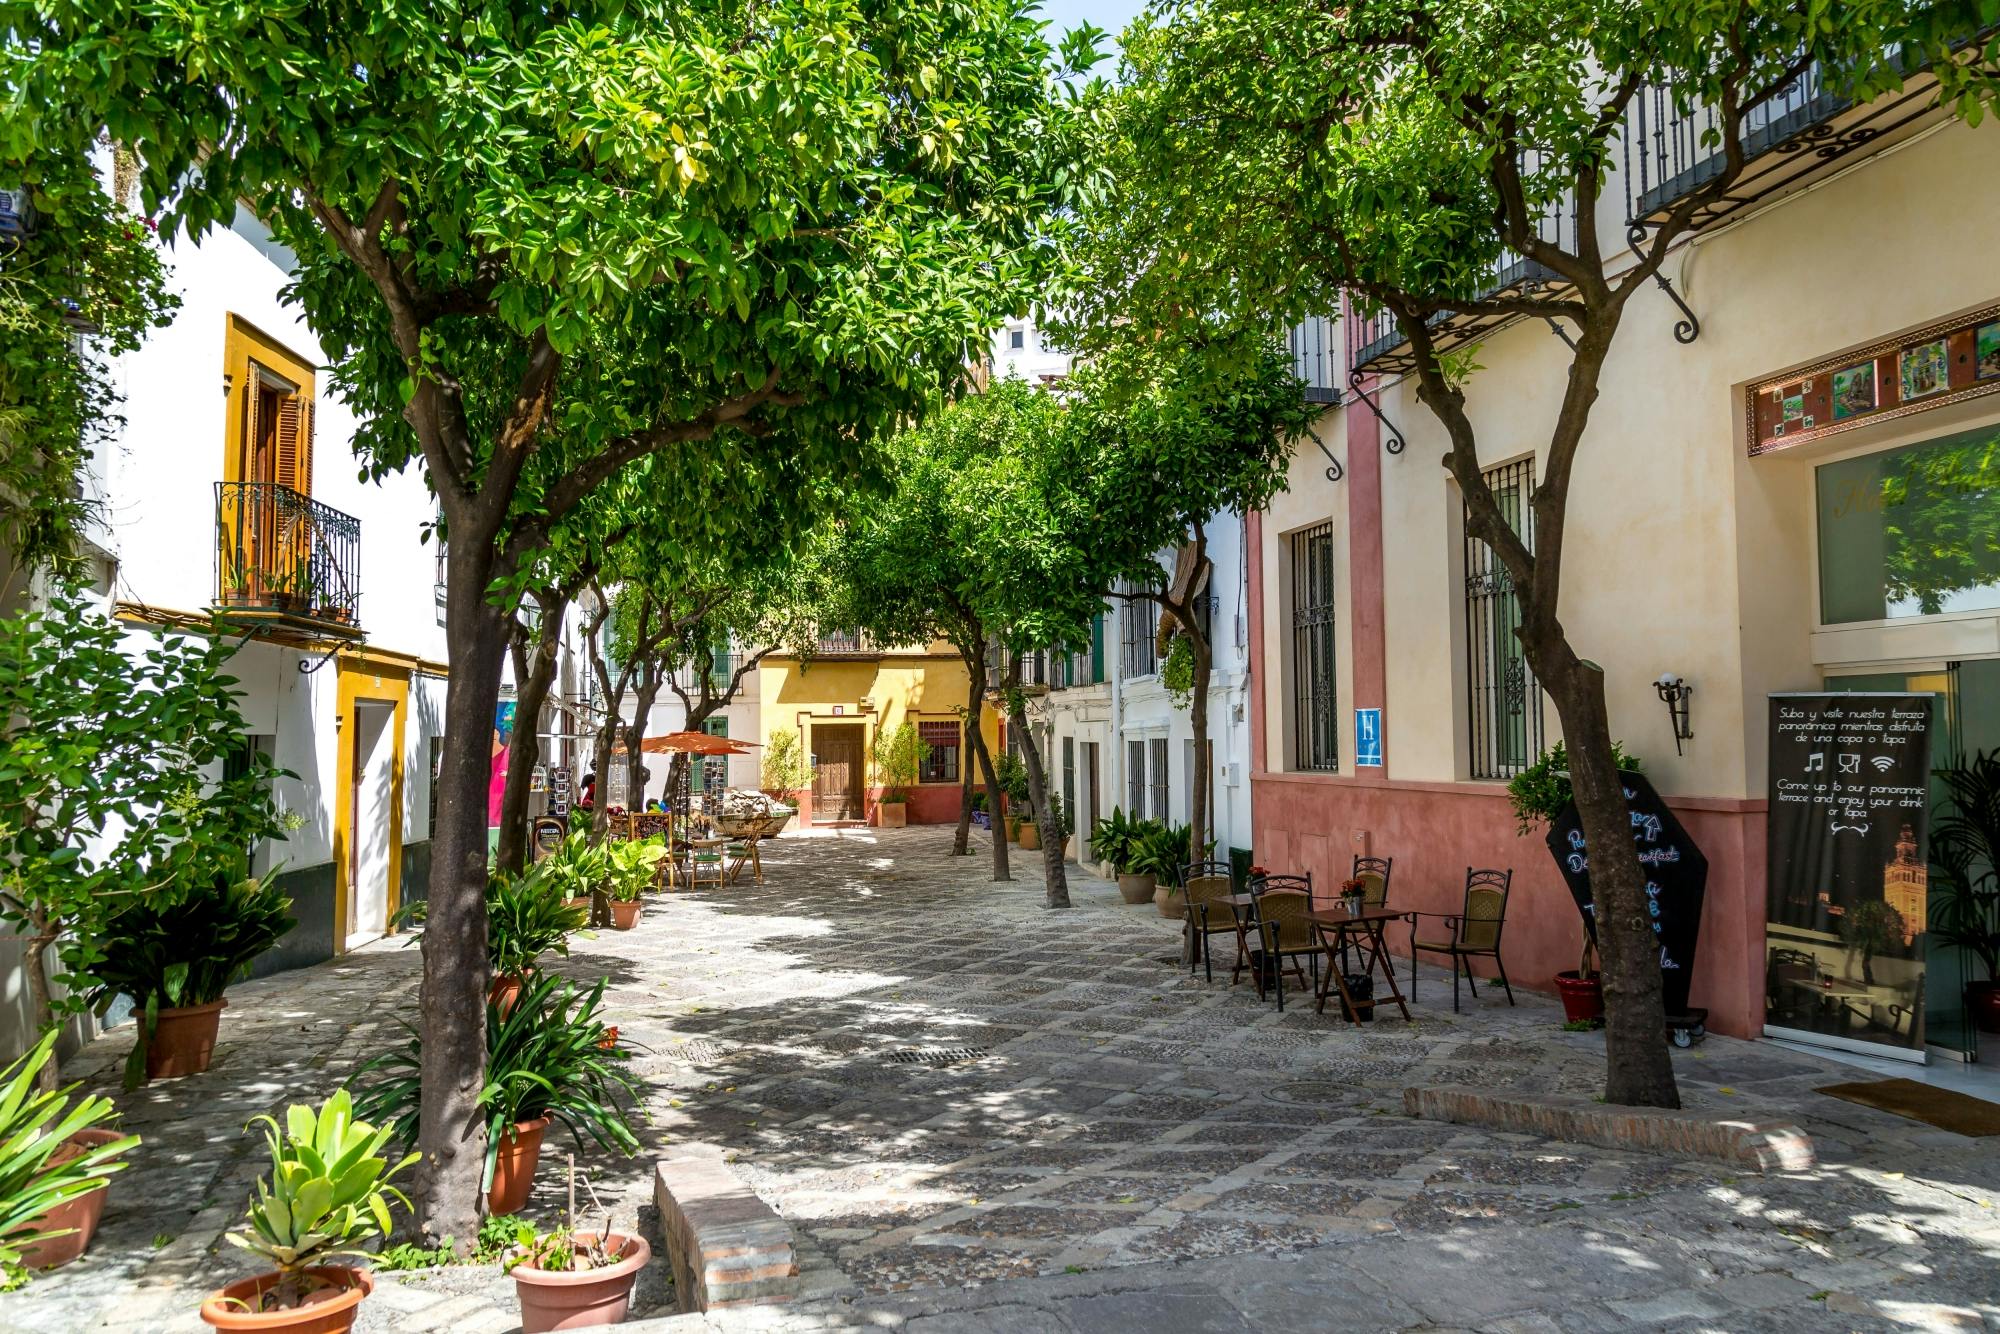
(1676, 877)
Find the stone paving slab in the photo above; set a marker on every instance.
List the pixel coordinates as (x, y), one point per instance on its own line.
(1129, 1130)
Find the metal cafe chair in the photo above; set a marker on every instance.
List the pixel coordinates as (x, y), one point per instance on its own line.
(1474, 932)
(1203, 889)
(1246, 917)
(1287, 933)
(1373, 873)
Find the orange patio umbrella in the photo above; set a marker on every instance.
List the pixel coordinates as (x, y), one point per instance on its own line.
(694, 743)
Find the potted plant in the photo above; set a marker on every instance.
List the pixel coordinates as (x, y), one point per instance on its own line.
(544, 1062)
(328, 1192)
(1058, 825)
(1013, 778)
(1114, 839)
(899, 761)
(632, 866)
(1160, 852)
(1582, 991)
(175, 961)
(1965, 898)
(573, 1280)
(981, 817)
(1353, 893)
(1539, 792)
(785, 771)
(56, 1161)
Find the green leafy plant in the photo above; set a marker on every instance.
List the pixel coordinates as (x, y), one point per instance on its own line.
(543, 1058)
(1177, 672)
(560, 1251)
(172, 955)
(1160, 851)
(1539, 792)
(577, 866)
(631, 866)
(785, 767)
(527, 916)
(1112, 837)
(328, 1192)
(899, 759)
(1965, 847)
(1013, 776)
(39, 1169)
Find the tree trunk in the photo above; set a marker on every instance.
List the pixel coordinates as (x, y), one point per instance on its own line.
(1038, 803)
(452, 1006)
(1639, 1070)
(961, 840)
(41, 1005)
(975, 738)
(647, 691)
(535, 676)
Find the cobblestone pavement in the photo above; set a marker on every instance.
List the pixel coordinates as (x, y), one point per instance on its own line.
(1126, 1146)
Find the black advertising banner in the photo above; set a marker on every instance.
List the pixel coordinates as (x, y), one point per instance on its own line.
(1676, 878)
(1849, 868)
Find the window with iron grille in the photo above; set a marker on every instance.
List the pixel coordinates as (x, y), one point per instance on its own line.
(1504, 702)
(941, 760)
(1315, 719)
(1141, 622)
(1135, 779)
(1069, 777)
(1158, 787)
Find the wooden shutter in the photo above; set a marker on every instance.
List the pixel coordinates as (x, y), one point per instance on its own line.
(247, 465)
(290, 429)
(303, 473)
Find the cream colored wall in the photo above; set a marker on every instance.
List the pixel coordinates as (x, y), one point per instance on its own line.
(1683, 553)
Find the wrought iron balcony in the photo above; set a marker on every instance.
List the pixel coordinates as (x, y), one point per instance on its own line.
(844, 645)
(279, 552)
(1788, 141)
(719, 668)
(1315, 347)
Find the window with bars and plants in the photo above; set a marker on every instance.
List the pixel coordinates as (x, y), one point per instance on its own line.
(1503, 700)
(1315, 716)
(941, 742)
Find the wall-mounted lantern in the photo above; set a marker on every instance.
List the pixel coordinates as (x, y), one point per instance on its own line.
(1676, 693)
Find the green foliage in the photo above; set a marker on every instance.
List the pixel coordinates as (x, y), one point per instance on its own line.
(1871, 927)
(543, 1058)
(1013, 777)
(1539, 792)
(785, 767)
(577, 867)
(1161, 851)
(1115, 836)
(1177, 672)
(632, 864)
(328, 1192)
(526, 917)
(558, 1251)
(170, 955)
(38, 1171)
(899, 759)
(91, 265)
(1965, 852)
(104, 793)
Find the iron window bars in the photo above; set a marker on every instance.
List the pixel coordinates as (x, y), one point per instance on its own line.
(1315, 720)
(1504, 702)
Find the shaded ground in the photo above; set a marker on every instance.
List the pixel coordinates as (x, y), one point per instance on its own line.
(1131, 1147)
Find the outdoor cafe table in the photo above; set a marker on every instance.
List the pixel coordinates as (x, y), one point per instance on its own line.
(1334, 926)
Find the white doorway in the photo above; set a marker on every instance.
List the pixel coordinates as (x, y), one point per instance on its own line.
(369, 821)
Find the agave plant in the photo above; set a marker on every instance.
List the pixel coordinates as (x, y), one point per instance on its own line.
(329, 1191)
(184, 953)
(37, 1173)
(544, 1057)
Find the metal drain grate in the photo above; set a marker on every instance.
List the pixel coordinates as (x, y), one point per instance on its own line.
(938, 1055)
(698, 1052)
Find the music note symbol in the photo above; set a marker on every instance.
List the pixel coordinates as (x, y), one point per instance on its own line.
(1816, 762)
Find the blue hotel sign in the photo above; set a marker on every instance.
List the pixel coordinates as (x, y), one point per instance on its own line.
(1368, 738)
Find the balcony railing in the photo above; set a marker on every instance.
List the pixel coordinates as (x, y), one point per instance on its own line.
(280, 551)
(1315, 347)
(1787, 141)
(843, 646)
(719, 669)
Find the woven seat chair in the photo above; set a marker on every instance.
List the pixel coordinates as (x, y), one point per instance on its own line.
(1373, 873)
(1472, 933)
(1206, 915)
(1287, 934)
(1264, 884)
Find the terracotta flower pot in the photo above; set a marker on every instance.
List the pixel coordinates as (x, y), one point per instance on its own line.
(624, 915)
(1135, 888)
(77, 1215)
(1582, 997)
(183, 1040)
(506, 989)
(1031, 836)
(514, 1167)
(326, 1311)
(1168, 902)
(553, 1300)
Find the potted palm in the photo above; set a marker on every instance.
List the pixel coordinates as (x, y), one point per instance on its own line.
(56, 1161)
(572, 1280)
(544, 1062)
(328, 1192)
(631, 867)
(1965, 898)
(175, 961)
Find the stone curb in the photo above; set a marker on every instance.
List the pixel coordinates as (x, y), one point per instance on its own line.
(1757, 1146)
(726, 1246)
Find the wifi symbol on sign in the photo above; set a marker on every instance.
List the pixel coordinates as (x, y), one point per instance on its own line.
(1882, 763)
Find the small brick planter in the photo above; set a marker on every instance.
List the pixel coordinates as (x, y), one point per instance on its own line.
(1756, 1146)
(726, 1246)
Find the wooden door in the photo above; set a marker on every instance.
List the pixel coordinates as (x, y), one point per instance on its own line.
(837, 771)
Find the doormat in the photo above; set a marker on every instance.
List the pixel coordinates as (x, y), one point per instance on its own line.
(1956, 1112)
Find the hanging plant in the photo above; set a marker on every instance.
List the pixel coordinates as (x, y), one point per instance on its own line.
(1177, 672)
